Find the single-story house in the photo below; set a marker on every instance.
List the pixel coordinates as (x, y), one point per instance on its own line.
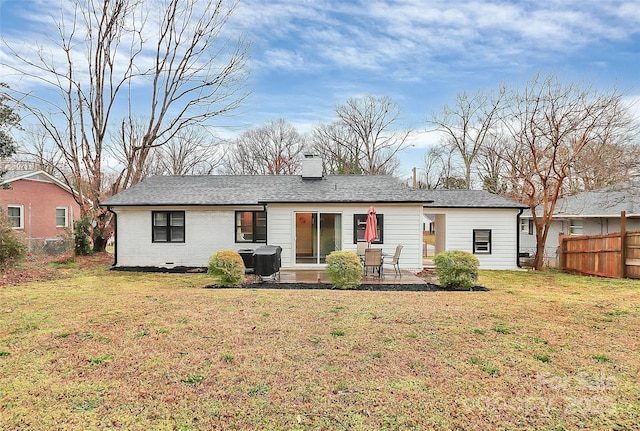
(586, 213)
(179, 221)
(38, 204)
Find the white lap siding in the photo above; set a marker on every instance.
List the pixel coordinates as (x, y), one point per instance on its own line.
(459, 226)
(402, 225)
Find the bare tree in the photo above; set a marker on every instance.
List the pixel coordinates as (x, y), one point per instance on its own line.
(334, 144)
(190, 152)
(550, 125)
(490, 167)
(273, 149)
(438, 169)
(469, 124)
(9, 119)
(34, 152)
(611, 164)
(363, 140)
(114, 55)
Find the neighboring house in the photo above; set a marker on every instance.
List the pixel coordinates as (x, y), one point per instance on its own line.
(38, 204)
(179, 221)
(586, 213)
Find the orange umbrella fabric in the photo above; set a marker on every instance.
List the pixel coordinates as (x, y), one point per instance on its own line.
(371, 228)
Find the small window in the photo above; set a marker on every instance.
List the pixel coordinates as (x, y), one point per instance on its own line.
(16, 216)
(482, 241)
(576, 227)
(526, 226)
(61, 217)
(360, 225)
(251, 226)
(168, 226)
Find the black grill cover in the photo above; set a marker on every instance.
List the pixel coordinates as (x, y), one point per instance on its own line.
(247, 258)
(267, 260)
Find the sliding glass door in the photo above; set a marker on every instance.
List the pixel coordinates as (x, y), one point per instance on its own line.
(317, 235)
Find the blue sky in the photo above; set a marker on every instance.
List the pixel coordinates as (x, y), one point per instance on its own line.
(309, 55)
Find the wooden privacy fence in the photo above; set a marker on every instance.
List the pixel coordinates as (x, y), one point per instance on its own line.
(614, 255)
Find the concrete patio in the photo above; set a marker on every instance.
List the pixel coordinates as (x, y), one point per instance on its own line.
(319, 276)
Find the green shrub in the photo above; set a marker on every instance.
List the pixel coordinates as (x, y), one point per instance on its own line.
(344, 269)
(82, 233)
(12, 249)
(227, 265)
(456, 269)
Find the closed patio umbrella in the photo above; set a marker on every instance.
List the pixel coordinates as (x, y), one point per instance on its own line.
(371, 228)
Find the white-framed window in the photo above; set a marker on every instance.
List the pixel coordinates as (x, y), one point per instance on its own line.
(15, 213)
(576, 227)
(482, 241)
(62, 218)
(526, 226)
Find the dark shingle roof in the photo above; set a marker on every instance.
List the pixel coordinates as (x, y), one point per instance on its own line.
(259, 189)
(467, 199)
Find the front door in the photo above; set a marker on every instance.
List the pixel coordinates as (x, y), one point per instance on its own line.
(317, 235)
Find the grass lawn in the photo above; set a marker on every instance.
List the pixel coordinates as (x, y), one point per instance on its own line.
(104, 350)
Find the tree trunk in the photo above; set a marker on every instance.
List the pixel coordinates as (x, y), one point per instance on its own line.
(538, 261)
(102, 231)
(99, 244)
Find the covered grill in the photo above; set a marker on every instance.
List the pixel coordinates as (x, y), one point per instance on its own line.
(247, 258)
(267, 261)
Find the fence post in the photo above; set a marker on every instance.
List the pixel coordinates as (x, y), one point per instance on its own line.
(562, 259)
(623, 244)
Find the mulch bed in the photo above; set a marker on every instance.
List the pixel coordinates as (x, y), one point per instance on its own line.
(427, 287)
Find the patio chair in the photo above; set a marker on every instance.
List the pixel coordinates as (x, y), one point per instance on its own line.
(373, 261)
(362, 246)
(395, 260)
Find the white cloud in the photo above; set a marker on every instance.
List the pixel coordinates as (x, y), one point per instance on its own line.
(373, 35)
(425, 139)
(283, 59)
(633, 102)
(394, 47)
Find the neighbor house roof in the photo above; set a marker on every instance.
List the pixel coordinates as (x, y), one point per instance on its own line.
(600, 203)
(32, 175)
(264, 189)
(603, 203)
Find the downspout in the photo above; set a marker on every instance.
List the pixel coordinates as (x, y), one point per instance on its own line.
(115, 237)
(518, 238)
(264, 209)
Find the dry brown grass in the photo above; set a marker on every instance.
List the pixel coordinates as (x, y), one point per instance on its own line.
(107, 350)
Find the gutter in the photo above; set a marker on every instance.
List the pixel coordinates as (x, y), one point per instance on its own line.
(518, 238)
(115, 236)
